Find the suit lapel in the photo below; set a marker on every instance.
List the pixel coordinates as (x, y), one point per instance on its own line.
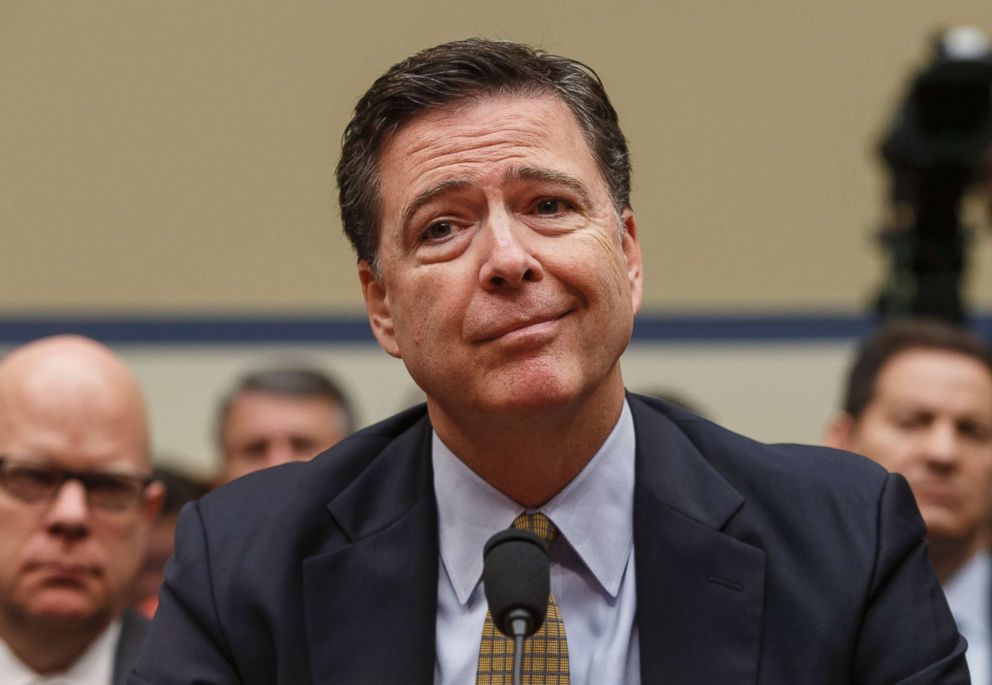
(370, 595)
(133, 630)
(700, 592)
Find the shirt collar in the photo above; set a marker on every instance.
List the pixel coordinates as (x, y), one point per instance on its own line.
(593, 513)
(967, 593)
(94, 667)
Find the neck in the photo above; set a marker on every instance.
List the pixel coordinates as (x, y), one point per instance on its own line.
(531, 454)
(948, 556)
(46, 648)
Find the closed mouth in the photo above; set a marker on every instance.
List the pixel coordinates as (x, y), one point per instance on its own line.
(521, 325)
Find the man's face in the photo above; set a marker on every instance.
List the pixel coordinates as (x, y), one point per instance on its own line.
(506, 279)
(931, 420)
(64, 562)
(265, 429)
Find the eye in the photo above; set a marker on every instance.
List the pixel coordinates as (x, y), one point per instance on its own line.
(303, 445)
(549, 206)
(438, 231)
(255, 450)
(109, 484)
(974, 430)
(32, 476)
(909, 422)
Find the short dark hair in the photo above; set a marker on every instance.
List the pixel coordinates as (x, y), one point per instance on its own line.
(288, 381)
(455, 72)
(899, 336)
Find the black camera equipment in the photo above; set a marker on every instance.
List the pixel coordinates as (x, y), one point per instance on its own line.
(936, 149)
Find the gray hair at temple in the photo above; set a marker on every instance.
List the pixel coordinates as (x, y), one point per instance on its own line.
(291, 382)
(454, 73)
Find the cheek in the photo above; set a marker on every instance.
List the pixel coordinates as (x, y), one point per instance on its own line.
(12, 549)
(120, 540)
(429, 311)
(123, 557)
(21, 535)
(605, 250)
(979, 472)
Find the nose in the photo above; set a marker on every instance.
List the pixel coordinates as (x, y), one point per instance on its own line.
(942, 445)
(279, 452)
(509, 263)
(68, 515)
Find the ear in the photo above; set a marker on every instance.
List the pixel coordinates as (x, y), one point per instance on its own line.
(840, 432)
(151, 506)
(377, 307)
(632, 254)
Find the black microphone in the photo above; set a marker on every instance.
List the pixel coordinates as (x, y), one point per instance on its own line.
(517, 581)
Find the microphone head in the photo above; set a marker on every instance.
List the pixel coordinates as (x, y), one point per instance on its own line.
(517, 579)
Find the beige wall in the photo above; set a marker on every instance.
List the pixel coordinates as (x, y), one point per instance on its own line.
(177, 156)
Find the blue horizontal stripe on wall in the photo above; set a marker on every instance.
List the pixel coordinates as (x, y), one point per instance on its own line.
(648, 328)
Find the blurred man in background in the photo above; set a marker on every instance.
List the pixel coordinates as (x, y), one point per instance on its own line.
(280, 415)
(76, 504)
(919, 402)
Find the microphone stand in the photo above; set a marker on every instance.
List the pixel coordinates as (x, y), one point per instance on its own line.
(518, 658)
(520, 622)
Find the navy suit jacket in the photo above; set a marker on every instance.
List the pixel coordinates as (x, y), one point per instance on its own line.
(784, 565)
(134, 627)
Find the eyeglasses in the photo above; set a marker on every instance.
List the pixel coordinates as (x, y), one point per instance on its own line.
(35, 482)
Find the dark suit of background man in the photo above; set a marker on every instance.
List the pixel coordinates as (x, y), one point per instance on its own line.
(485, 188)
(76, 507)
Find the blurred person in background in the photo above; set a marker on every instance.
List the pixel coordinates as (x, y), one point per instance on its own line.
(179, 489)
(77, 502)
(280, 415)
(919, 402)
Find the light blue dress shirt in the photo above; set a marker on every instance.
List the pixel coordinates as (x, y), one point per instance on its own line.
(592, 562)
(967, 594)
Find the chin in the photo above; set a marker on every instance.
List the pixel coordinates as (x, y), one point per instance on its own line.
(61, 606)
(942, 528)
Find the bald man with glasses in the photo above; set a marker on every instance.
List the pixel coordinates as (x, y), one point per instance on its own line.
(76, 505)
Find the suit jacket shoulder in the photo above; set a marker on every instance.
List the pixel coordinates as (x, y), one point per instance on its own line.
(270, 566)
(800, 561)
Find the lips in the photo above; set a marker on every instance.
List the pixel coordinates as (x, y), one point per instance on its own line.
(937, 494)
(64, 573)
(531, 322)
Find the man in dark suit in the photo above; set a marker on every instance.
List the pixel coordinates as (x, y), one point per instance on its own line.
(76, 505)
(485, 187)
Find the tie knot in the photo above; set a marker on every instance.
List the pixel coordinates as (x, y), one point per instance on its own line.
(539, 524)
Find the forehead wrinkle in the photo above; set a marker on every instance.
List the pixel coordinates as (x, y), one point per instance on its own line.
(433, 139)
(438, 154)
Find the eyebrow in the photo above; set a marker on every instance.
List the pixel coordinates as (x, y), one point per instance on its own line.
(429, 194)
(514, 174)
(549, 176)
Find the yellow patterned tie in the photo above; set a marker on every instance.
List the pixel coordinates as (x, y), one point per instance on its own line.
(545, 652)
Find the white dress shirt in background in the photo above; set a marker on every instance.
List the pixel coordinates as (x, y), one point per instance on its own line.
(94, 667)
(967, 594)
